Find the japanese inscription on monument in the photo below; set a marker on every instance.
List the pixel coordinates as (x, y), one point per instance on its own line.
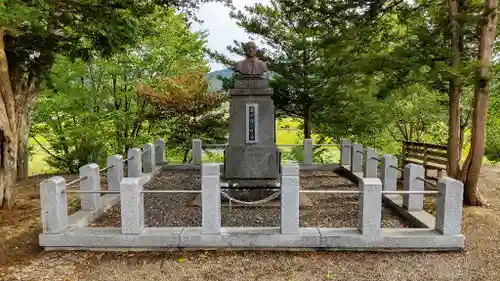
(252, 113)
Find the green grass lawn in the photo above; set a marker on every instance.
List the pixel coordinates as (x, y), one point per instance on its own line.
(37, 164)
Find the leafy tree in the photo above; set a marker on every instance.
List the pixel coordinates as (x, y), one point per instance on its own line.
(436, 45)
(492, 149)
(32, 34)
(192, 111)
(469, 174)
(417, 114)
(90, 109)
(69, 116)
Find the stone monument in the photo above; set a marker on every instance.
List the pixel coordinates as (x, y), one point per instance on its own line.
(251, 159)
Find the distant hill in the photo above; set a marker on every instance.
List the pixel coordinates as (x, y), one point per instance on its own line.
(215, 85)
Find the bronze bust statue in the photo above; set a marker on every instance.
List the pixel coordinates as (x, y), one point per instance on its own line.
(251, 66)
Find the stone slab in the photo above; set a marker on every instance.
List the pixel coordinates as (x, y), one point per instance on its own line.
(254, 83)
(345, 171)
(82, 218)
(251, 162)
(251, 92)
(392, 239)
(97, 237)
(421, 219)
(250, 237)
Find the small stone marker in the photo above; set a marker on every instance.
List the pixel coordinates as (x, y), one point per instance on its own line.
(388, 173)
(308, 149)
(115, 172)
(413, 175)
(290, 199)
(345, 156)
(91, 182)
(356, 158)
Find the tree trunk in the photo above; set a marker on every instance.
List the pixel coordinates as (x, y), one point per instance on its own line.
(8, 131)
(454, 95)
(472, 166)
(24, 94)
(22, 149)
(307, 121)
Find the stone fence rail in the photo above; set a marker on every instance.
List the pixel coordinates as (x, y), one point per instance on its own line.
(440, 232)
(53, 191)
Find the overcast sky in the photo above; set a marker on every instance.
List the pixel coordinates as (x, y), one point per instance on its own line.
(221, 28)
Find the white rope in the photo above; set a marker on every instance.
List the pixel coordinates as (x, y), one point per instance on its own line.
(265, 200)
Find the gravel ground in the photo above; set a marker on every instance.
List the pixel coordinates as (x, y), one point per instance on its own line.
(169, 210)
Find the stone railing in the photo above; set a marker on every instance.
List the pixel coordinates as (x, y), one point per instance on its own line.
(365, 163)
(54, 191)
(439, 233)
(445, 234)
(371, 190)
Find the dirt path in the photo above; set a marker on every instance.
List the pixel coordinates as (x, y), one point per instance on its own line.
(21, 258)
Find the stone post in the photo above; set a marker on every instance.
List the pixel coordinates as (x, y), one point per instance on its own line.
(134, 164)
(132, 206)
(54, 205)
(370, 207)
(411, 175)
(345, 152)
(92, 182)
(290, 199)
(449, 206)
(210, 198)
(115, 173)
(149, 157)
(308, 151)
(160, 152)
(388, 173)
(356, 158)
(196, 150)
(371, 163)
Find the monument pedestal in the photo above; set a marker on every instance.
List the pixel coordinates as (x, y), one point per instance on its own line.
(252, 163)
(251, 155)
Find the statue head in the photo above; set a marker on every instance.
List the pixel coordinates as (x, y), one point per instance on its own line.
(250, 49)
(251, 66)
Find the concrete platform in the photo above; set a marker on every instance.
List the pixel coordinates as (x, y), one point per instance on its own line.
(393, 239)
